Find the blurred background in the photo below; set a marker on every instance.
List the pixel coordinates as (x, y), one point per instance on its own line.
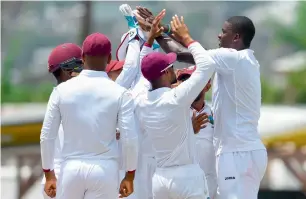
(29, 30)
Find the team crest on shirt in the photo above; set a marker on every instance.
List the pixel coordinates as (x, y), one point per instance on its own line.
(129, 94)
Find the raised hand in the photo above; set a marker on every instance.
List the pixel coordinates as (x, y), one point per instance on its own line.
(156, 29)
(180, 31)
(144, 24)
(127, 12)
(146, 14)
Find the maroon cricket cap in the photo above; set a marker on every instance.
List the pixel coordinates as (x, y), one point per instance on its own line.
(97, 44)
(153, 64)
(185, 71)
(62, 53)
(114, 65)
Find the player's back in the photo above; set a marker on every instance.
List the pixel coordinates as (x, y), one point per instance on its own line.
(89, 106)
(237, 101)
(169, 127)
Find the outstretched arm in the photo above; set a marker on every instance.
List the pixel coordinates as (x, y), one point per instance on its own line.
(170, 45)
(167, 43)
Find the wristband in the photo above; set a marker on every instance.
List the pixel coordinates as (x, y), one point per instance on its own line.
(169, 29)
(131, 172)
(190, 43)
(46, 170)
(147, 45)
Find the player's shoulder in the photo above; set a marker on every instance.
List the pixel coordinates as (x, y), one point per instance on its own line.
(225, 54)
(139, 97)
(66, 84)
(115, 86)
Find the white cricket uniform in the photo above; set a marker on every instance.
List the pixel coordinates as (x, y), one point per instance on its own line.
(206, 152)
(236, 101)
(89, 115)
(147, 162)
(127, 79)
(57, 159)
(164, 116)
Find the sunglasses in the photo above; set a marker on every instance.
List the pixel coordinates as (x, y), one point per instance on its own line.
(71, 66)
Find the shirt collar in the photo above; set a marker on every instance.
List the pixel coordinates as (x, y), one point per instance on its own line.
(93, 73)
(157, 92)
(160, 90)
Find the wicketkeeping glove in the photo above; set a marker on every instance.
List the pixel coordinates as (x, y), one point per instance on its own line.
(127, 12)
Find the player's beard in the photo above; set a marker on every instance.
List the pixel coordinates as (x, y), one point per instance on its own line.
(174, 80)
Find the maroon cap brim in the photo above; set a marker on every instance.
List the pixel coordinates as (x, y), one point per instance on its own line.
(114, 65)
(185, 71)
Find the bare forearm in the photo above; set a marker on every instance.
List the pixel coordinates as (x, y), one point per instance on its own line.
(169, 45)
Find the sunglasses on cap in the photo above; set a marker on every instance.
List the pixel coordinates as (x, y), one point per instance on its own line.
(73, 65)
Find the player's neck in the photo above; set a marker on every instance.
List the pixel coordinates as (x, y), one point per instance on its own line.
(160, 84)
(240, 47)
(95, 68)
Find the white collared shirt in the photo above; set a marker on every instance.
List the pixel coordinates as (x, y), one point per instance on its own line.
(90, 106)
(164, 114)
(236, 100)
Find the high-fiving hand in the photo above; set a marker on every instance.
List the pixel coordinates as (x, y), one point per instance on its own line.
(145, 13)
(180, 31)
(156, 29)
(145, 17)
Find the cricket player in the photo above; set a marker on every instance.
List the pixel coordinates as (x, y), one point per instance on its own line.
(64, 62)
(236, 101)
(203, 132)
(146, 164)
(125, 73)
(89, 113)
(164, 116)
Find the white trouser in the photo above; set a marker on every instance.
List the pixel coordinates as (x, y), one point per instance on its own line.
(207, 161)
(57, 170)
(182, 182)
(143, 178)
(88, 179)
(239, 174)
